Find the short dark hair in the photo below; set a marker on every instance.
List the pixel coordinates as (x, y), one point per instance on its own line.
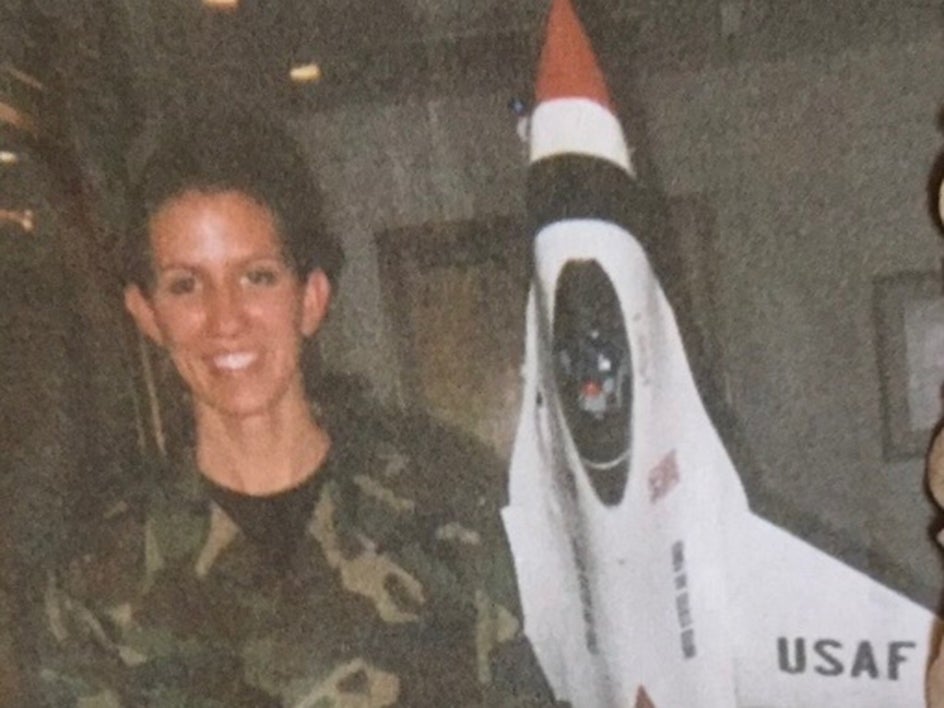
(223, 151)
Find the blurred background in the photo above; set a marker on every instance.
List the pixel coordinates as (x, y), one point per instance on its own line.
(788, 147)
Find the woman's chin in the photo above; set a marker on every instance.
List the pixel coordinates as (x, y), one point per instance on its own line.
(242, 404)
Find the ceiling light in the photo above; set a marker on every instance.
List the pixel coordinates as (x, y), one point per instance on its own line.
(24, 219)
(221, 4)
(17, 118)
(8, 158)
(305, 73)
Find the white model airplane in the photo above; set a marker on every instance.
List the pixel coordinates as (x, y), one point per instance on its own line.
(645, 578)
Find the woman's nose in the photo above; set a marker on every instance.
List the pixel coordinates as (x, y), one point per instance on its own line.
(225, 312)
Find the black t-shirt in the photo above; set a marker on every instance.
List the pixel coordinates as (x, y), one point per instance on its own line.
(275, 522)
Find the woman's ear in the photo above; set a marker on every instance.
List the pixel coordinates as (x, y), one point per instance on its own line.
(142, 312)
(316, 299)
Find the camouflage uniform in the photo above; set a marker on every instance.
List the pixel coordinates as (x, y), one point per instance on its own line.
(398, 592)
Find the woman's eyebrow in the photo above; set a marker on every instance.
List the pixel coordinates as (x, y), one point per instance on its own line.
(174, 265)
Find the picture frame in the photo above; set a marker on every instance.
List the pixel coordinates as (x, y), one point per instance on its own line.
(908, 312)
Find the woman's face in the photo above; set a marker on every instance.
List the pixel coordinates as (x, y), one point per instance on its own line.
(226, 305)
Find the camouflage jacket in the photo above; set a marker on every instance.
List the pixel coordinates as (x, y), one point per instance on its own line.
(399, 592)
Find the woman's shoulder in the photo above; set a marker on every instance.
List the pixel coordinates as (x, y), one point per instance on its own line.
(441, 466)
(111, 554)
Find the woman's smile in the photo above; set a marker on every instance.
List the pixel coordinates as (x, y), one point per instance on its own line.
(234, 362)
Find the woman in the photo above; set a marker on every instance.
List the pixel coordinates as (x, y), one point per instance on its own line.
(305, 557)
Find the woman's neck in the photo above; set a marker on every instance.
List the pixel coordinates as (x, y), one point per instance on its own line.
(260, 455)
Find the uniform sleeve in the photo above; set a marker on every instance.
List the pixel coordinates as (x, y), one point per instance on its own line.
(454, 489)
(508, 667)
(79, 663)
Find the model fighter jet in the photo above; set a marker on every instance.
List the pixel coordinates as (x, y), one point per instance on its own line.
(645, 578)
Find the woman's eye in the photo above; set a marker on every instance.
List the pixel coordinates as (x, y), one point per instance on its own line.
(262, 276)
(182, 285)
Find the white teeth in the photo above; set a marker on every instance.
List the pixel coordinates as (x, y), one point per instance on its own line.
(234, 362)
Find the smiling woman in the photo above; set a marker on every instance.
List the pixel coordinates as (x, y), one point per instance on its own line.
(299, 554)
(232, 314)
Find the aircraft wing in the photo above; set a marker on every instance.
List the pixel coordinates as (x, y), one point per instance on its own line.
(811, 631)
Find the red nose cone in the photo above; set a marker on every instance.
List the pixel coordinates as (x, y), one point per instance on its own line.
(568, 67)
(643, 700)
